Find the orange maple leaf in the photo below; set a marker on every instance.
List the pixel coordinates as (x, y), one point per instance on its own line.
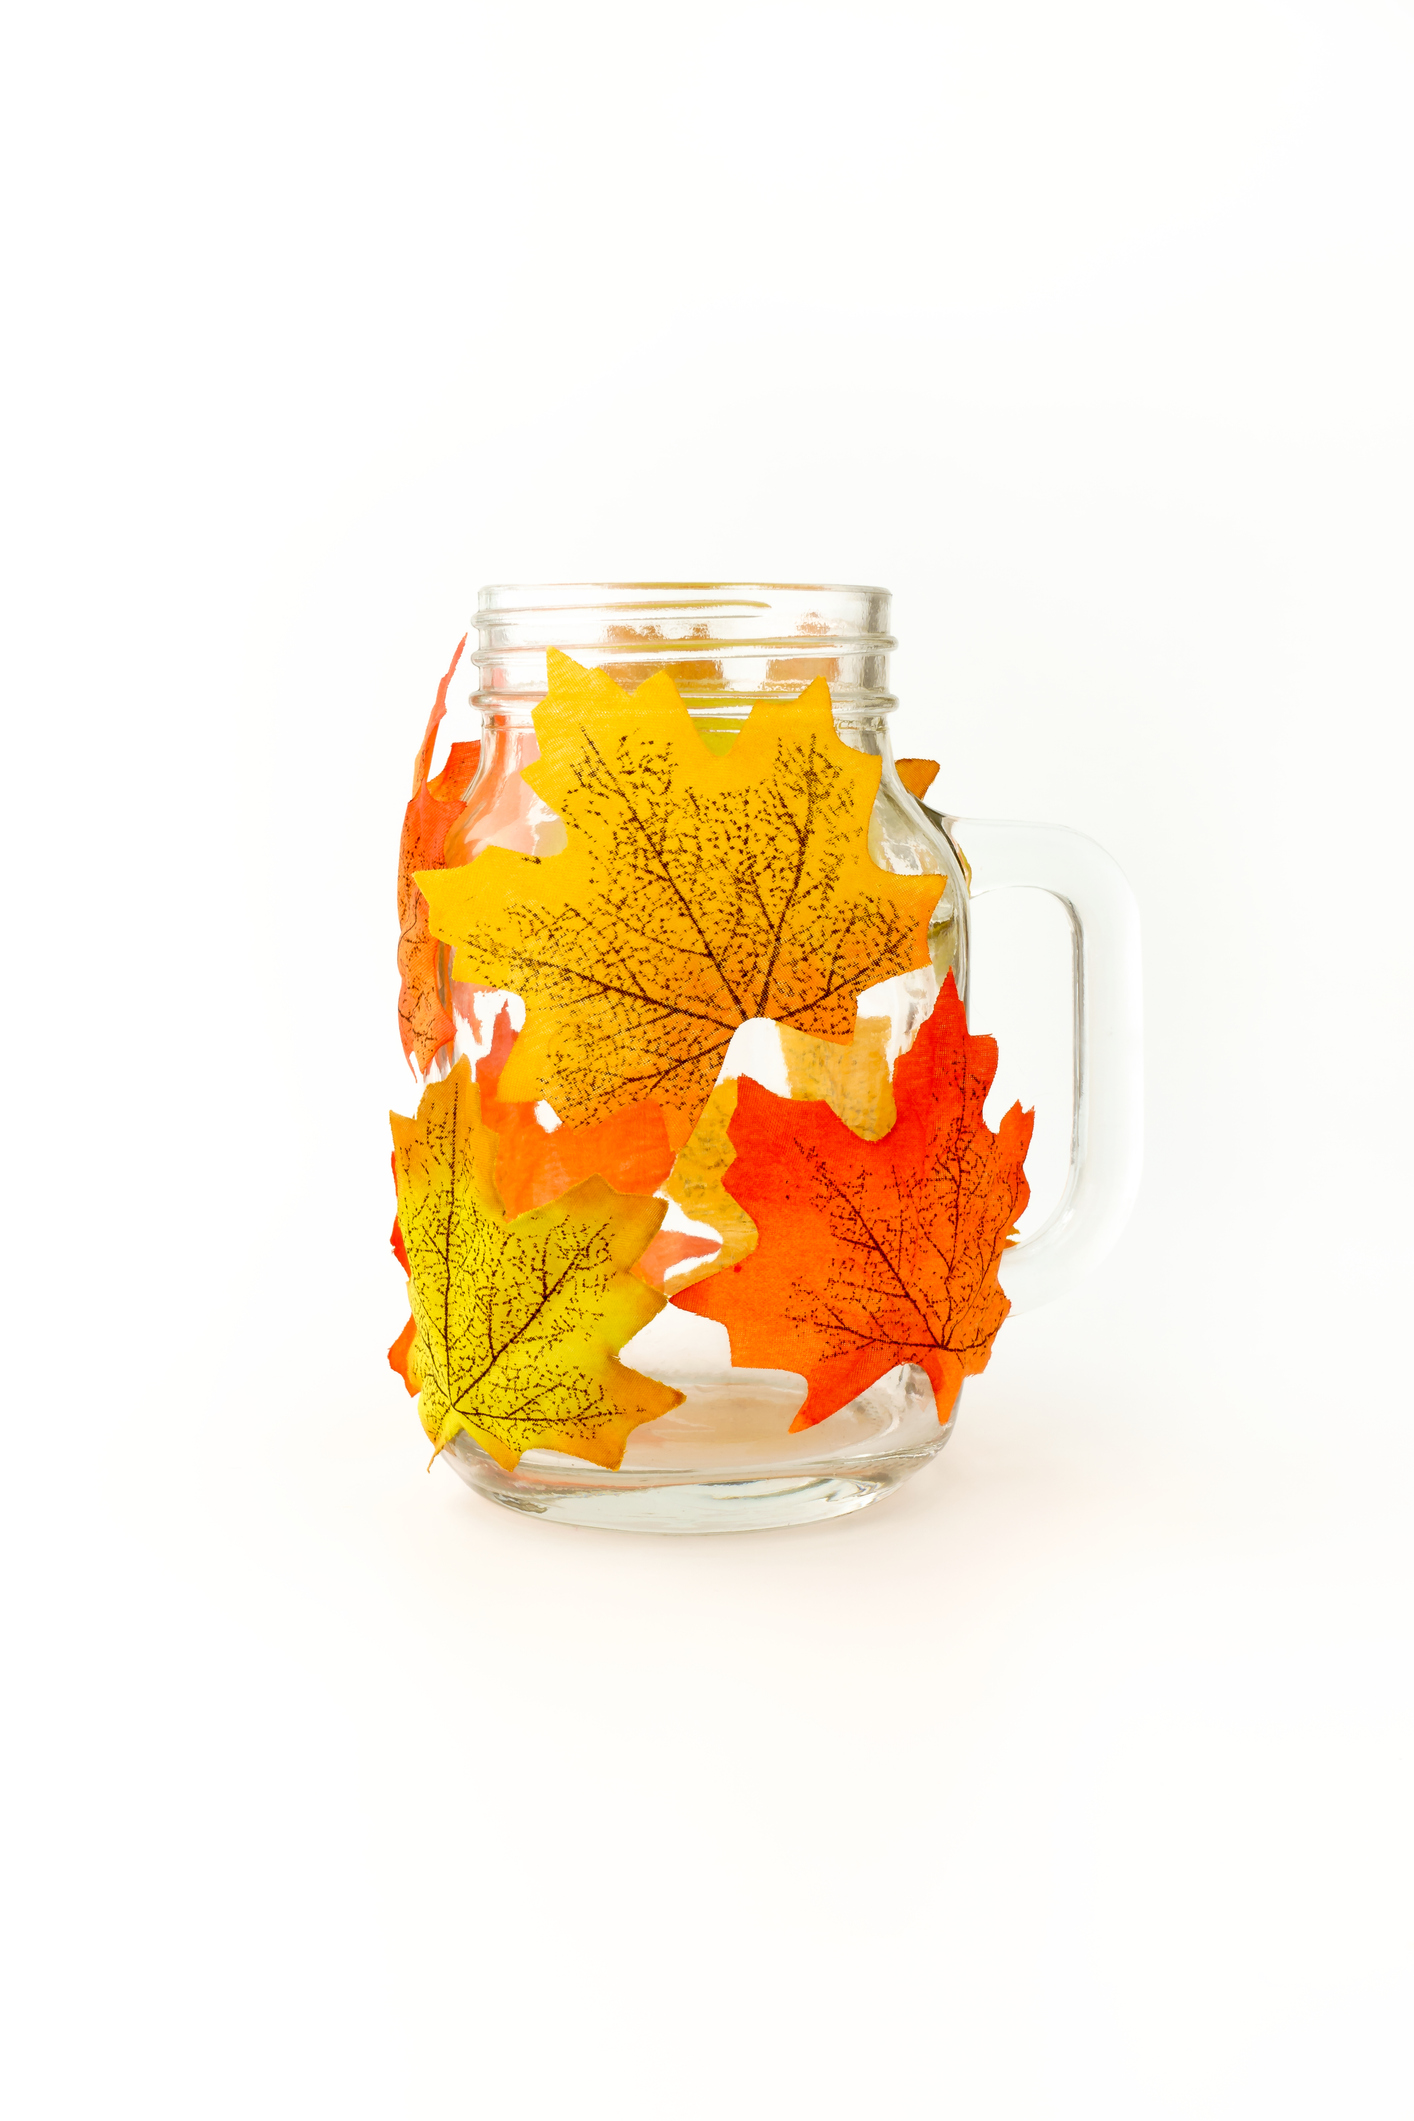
(423, 1017)
(670, 1249)
(396, 1239)
(872, 1254)
(400, 1351)
(917, 775)
(535, 1165)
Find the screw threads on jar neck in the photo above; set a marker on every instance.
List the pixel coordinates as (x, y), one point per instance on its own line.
(721, 642)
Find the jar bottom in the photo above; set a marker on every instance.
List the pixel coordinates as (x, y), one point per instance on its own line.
(821, 1473)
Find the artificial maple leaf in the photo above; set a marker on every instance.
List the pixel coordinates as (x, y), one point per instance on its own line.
(670, 1249)
(917, 775)
(872, 1254)
(853, 1080)
(695, 1183)
(401, 1349)
(396, 1238)
(423, 1017)
(694, 892)
(534, 1164)
(518, 1319)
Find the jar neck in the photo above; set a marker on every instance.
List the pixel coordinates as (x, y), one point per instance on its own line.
(725, 644)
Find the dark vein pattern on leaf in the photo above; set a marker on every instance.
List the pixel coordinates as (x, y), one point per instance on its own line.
(740, 895)
(883, 1229)
(504, 1295)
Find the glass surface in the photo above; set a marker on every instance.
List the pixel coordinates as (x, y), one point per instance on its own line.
(725, 1459)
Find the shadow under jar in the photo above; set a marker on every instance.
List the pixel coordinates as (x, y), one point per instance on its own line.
(726, 1458)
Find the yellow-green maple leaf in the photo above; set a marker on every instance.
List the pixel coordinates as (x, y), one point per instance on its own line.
(519, 1319)
(694, 893)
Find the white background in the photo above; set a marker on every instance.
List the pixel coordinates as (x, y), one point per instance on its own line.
(1073, 1781)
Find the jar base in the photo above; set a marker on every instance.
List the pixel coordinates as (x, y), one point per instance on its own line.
(751, 1501)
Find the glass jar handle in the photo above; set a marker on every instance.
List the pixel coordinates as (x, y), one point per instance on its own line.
(1106, 1140)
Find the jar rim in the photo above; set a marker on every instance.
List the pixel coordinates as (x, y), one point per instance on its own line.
(489, 597)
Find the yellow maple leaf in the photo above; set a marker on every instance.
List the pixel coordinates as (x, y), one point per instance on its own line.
(694, 892)
(519, 1319)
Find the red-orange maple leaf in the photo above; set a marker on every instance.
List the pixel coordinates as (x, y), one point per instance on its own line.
(423, 1017)
(876, 1253)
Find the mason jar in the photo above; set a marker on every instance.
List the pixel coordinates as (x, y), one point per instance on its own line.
(729, 1451)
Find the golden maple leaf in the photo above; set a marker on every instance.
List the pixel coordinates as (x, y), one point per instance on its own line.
(852, 1080)
(695, 1183)
(517, 1321)
(694, 893)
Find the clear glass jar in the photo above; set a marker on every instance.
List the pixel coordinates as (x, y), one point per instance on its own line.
(726, 1457)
